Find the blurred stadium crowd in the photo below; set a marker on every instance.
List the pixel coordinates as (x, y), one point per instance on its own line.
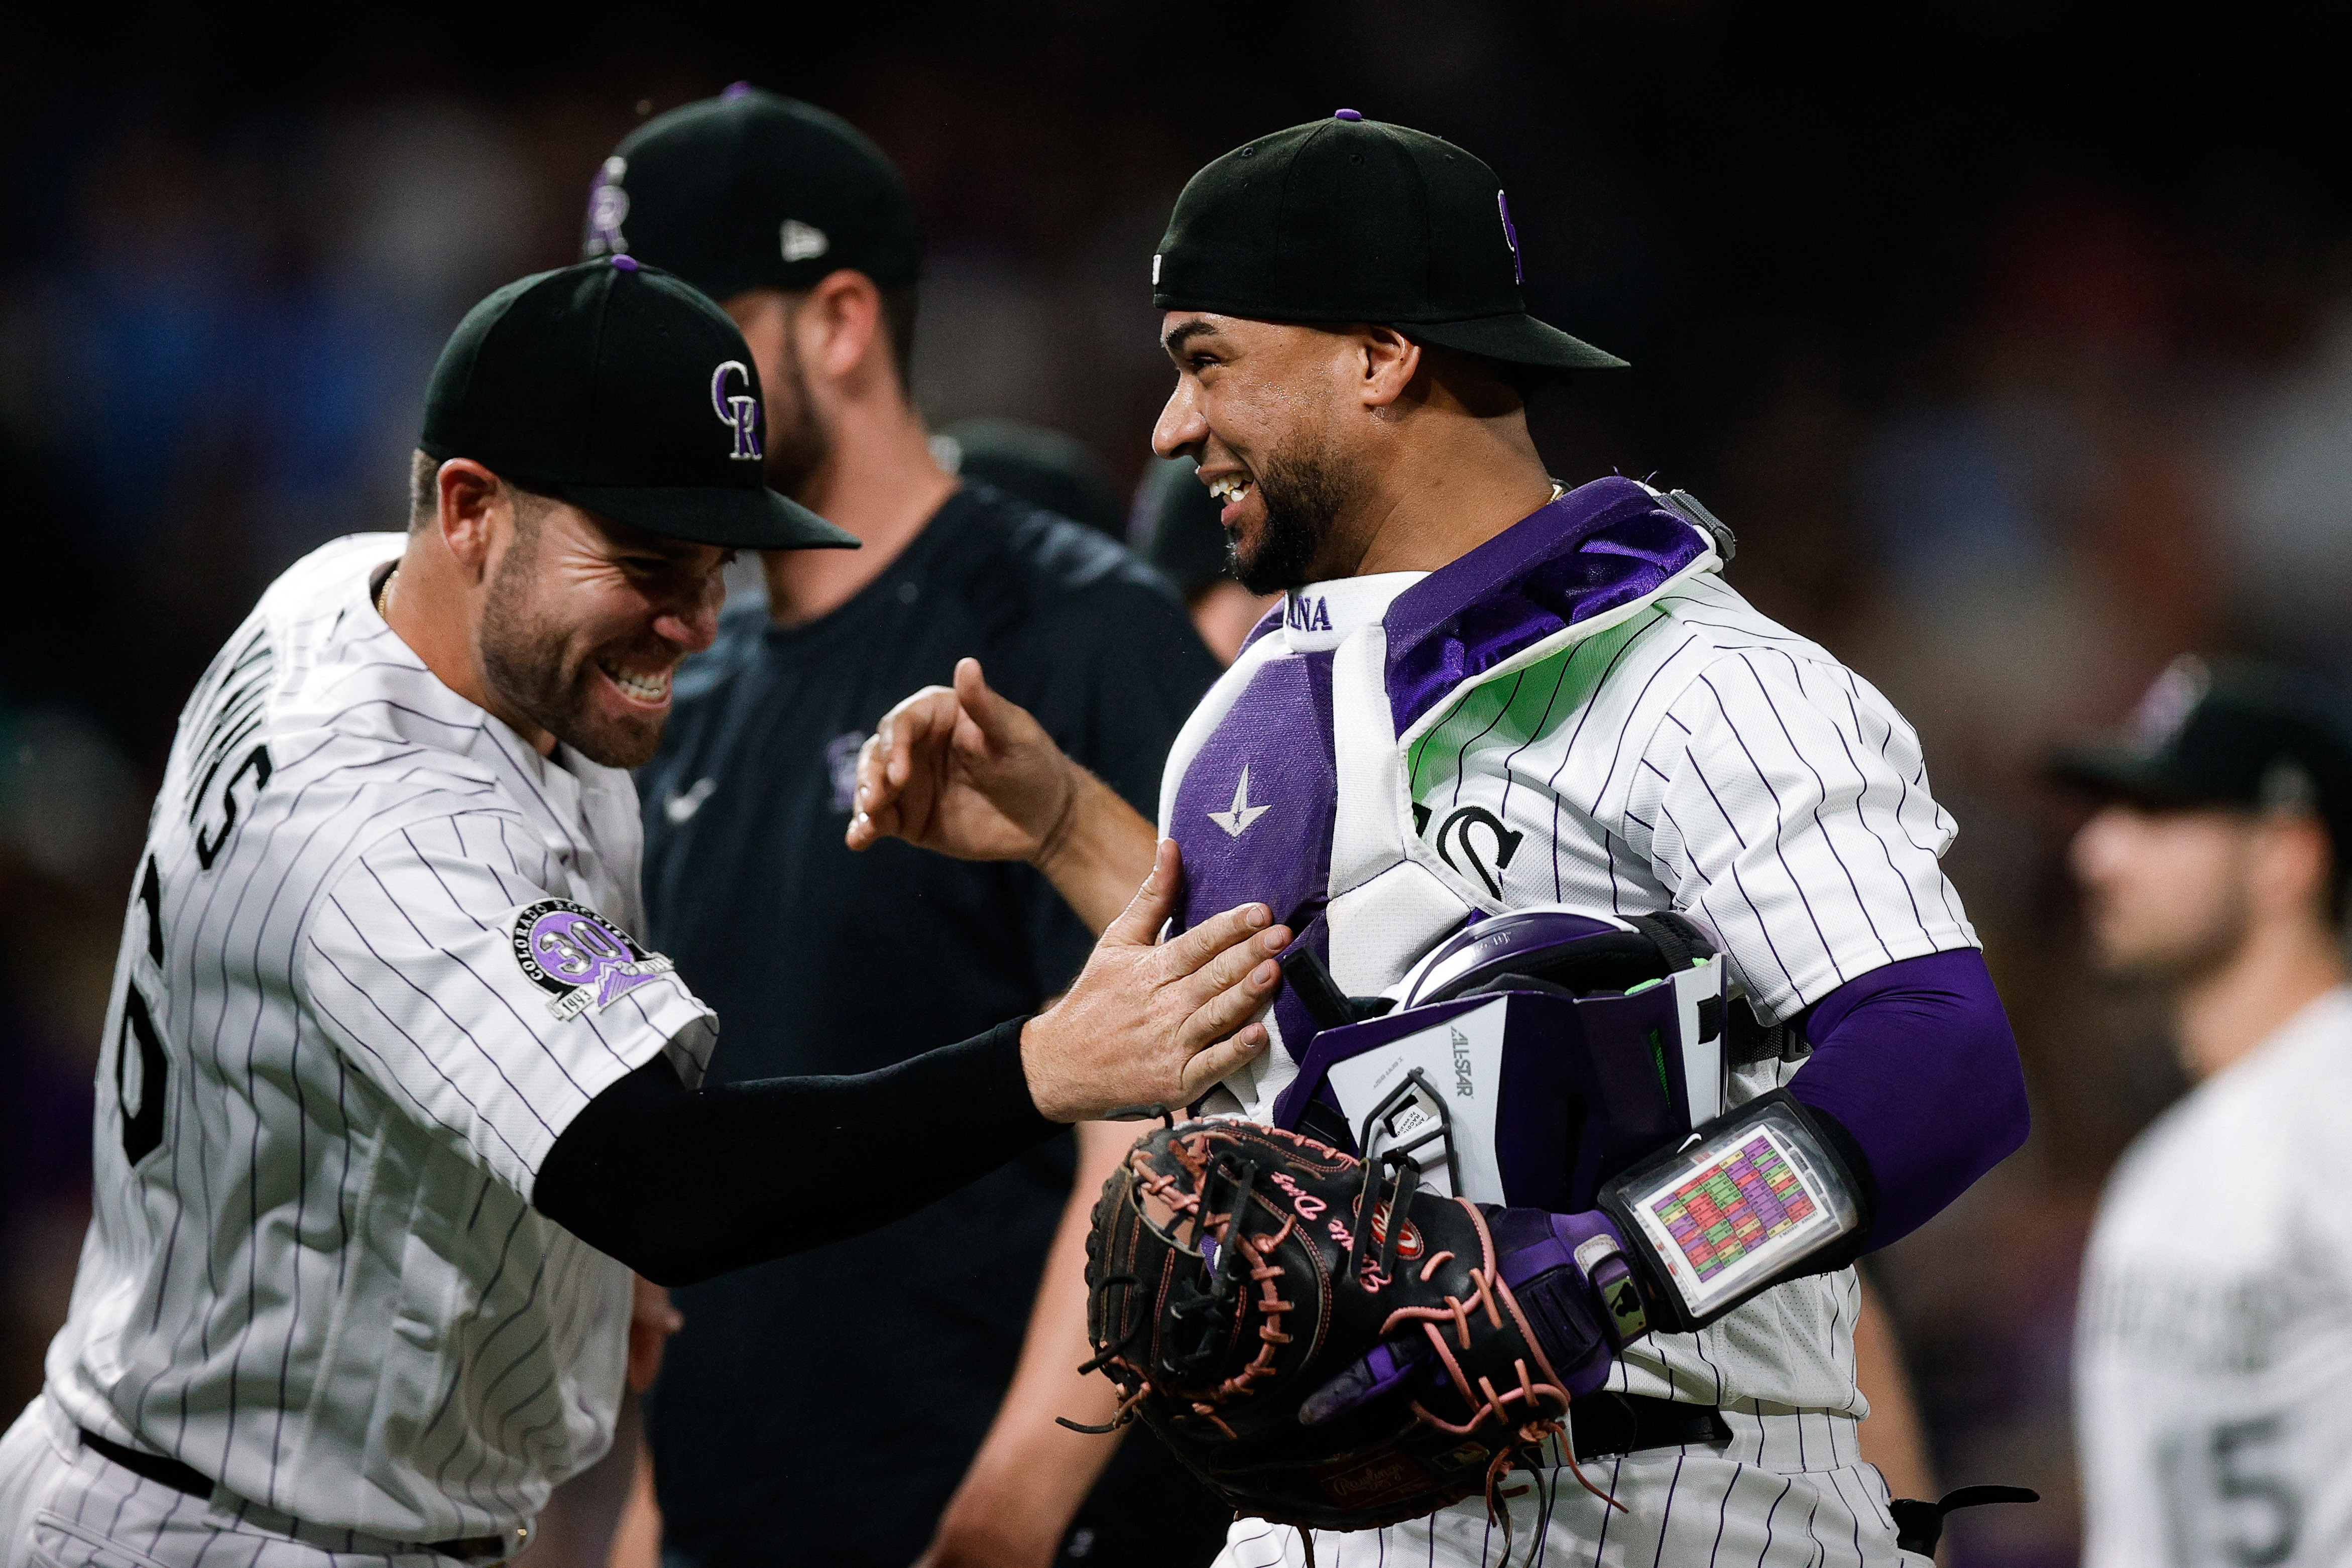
(2015, 376)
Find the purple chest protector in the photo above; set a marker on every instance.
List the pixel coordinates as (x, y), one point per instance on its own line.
(1255, 810)
(1254, 813)
(1258, 791)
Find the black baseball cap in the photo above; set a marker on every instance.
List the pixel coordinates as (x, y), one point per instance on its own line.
(752, 189)
(617, 388)
(1349, 219)
(2227, 732)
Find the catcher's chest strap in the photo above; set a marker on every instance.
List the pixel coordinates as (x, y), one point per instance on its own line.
(1606, 1425)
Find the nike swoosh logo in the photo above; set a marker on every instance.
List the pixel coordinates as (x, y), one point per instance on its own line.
(678, 808)
(1237, 820)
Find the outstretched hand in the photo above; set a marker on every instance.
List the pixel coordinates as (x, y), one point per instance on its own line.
(962, 771)
(1148, 1021)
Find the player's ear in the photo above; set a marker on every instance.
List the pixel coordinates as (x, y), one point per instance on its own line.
(469, 495)
(844, 315)
(1386, 361)
(2294, 864)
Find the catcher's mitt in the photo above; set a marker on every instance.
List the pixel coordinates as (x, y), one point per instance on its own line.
(1229, 1284)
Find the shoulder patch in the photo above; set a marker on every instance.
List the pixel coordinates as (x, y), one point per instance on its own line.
(580, 958)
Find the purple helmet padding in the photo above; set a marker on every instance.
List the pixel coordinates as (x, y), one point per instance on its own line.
(1917, 1062)
(1580, 1096)
(1333, 1046)
(1501, 943)
(1599, 546)
(1589, 1099)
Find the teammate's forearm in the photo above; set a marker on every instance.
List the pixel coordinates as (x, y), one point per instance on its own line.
(1097, 853)
(1891, 1437)
(684, 1185)
(1916, 1062)
(1030, 1476)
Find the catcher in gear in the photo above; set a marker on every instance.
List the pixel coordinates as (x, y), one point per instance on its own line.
(1493, 710)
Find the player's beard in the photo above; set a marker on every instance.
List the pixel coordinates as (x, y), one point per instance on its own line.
(799, 441)
(1304, 489)
(524, 661)
(2200, 936)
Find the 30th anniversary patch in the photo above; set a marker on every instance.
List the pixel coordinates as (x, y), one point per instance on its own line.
(579, 957)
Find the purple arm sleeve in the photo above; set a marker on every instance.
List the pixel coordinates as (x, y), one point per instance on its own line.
(1917, 1062)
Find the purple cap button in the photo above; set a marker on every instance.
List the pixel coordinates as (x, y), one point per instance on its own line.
(1348, 114)
(735, 89)
(625, 263)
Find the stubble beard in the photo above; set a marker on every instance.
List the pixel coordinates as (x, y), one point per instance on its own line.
(523, 662)
(1304, 489)
(799, 443)
(2188, 958)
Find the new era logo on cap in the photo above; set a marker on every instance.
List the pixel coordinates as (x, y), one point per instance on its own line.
(803, 242)
(750, 190)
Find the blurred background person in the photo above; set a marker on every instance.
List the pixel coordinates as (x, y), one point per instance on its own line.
(1053, 471)
(799, 226)
(2214, 1351)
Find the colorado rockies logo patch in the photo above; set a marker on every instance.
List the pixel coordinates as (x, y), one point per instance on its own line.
(579, 957)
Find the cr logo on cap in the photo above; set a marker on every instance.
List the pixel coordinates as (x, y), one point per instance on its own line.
(740, 412)
(608, 209)
(1510, 238)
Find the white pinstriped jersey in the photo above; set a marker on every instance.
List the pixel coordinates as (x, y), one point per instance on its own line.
(376, 959)
(1695, 756)
(1700, 758)
(2214, 1352)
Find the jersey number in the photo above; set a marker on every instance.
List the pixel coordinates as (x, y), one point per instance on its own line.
(2270, 1516)
(2255, 1517)
(143, 1125)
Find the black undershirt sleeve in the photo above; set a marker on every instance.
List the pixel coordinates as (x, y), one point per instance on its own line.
(681, 1183)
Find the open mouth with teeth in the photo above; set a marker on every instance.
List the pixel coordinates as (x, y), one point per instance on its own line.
(1231, 491)
(649, 688)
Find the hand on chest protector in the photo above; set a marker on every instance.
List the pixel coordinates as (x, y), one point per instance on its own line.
(1151, 1022)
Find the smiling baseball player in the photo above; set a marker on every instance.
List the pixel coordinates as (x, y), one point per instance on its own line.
(1487, 697)
(392, 1098)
